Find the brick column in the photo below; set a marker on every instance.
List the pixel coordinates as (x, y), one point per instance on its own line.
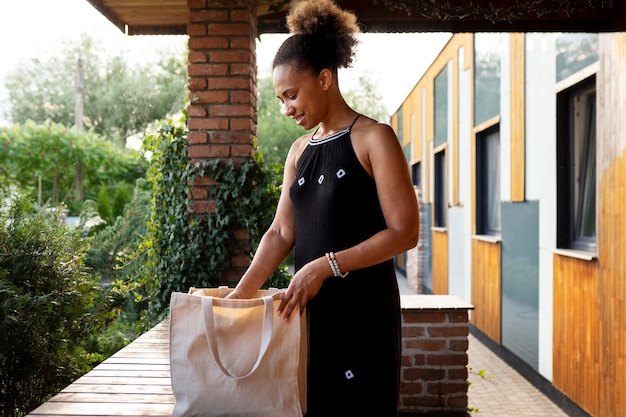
(222, 92)
(434, 356)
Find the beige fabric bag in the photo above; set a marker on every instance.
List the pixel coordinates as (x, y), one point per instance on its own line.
(236, 357)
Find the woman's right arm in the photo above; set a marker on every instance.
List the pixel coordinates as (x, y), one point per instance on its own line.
(277, 241)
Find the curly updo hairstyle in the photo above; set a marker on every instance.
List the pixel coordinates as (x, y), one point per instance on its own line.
(323, 36)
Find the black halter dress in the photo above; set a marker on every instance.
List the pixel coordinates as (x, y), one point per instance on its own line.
(354, 322)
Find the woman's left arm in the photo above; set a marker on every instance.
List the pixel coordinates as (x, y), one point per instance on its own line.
(382, 156)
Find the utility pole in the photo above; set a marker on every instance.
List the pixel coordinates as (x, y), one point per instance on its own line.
(79, 125)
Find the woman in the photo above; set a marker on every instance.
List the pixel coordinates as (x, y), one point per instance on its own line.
(348, 206)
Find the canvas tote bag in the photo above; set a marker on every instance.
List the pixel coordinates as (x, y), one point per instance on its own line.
(236, 357)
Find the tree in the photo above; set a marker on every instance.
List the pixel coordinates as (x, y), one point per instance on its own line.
(40, 160)
(366, 99)
(276, 132)
(120, 98)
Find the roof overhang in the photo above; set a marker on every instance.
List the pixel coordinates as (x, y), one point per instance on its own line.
(154, 17)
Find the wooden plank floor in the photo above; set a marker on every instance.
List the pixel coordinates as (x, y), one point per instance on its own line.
(133, 382)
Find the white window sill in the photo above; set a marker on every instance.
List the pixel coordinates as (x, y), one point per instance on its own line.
(488, 238)
(439, 229)
(578, 254)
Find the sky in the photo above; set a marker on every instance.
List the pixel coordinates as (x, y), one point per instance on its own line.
(36, 28)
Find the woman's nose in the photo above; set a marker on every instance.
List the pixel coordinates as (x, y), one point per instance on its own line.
(287, 110)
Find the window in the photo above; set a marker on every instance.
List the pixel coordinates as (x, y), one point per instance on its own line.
(441, 106)
(488, 212)
(575, 51)
(576, 164)
(440, 189)
(416, 174)
(488, 49)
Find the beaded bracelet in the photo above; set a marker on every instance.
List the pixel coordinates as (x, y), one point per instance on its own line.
(334, 266)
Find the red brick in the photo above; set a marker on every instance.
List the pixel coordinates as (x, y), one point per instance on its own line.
(460, 373)
(411, 402)
(196, 84)
(432, 374)
(207, 43)
(208, 151)
(209, 124)
(423, 317)
(196, 29)
(196, 56)
(413, 331)
(205, 181)
(242, 150)
(411, 374)
(231, 137)
(231, 110)
(199, 193)
(243, 29)
(243, 42)
(458, 402)
(447, 388)
(245, 69)
(419, 359)
(457, 316)
(427, 344)
(209, 70)
(210, 97)
(229, 83)
(202, 207)
(448, 331)
(458, 345)
(240, 16)
(240, 261)
(229, 56)
(196, 138)
(240, 97)
(432, 401)
(243, 124)
(459, 359)
(196, 111)
(242, 234)
(406, 361)
(411, 388)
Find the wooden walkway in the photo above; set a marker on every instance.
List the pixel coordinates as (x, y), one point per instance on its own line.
(133, 382)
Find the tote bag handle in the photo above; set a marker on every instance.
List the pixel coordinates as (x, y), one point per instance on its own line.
(266, 335)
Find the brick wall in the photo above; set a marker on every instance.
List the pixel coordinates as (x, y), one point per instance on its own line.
(434, 355)
(223, 98)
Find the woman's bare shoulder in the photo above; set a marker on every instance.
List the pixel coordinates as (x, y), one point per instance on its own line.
(372, 130)
(297, 147)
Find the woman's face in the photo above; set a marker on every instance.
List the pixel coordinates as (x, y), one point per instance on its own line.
(301, 94)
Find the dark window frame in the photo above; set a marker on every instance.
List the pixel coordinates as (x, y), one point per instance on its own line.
(572, 194)
(488, 199)
(439, 195)
(416, 174)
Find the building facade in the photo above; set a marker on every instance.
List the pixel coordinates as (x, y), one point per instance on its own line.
(517, 145)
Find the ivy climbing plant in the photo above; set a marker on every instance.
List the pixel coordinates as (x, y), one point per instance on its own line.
(186, 250)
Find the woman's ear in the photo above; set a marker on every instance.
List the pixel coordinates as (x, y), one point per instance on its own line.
(325, 79)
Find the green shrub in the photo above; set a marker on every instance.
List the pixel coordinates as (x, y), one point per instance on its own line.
(47, 299)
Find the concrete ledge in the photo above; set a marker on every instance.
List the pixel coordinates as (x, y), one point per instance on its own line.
(433, 302)
(433, 372)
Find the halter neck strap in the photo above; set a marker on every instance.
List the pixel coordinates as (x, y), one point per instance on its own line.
(349, 128)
